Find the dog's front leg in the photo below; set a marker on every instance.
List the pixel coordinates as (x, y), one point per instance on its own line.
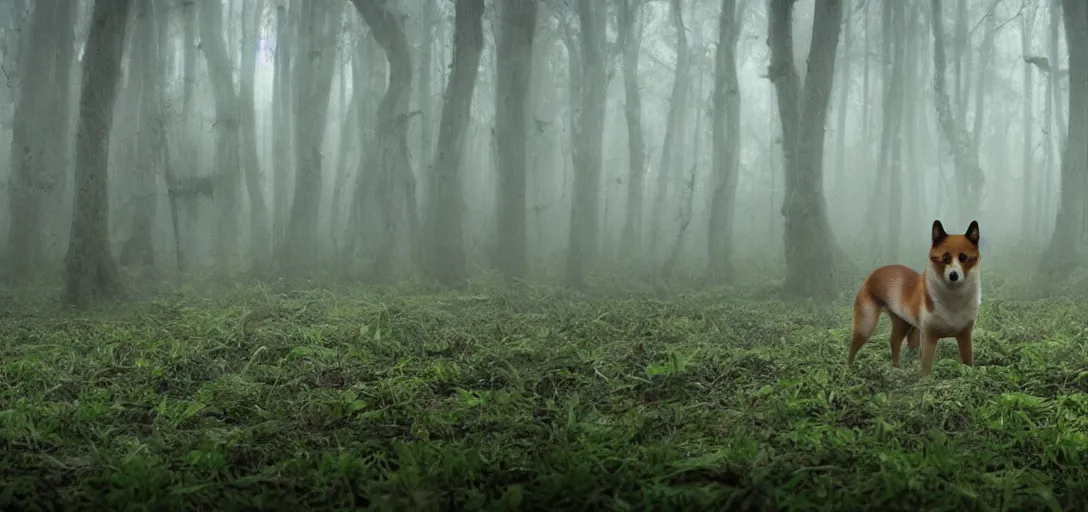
(963, 339)
(929, 350)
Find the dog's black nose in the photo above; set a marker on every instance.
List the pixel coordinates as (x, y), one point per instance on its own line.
(954, 276)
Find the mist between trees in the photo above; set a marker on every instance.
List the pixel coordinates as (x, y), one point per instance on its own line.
(657, 140)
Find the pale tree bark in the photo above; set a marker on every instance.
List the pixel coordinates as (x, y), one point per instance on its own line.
(1058, 74)
(11, 52)
(915, 112)
(365, 208)
(670, 146)
(574, 98)
(228, 163)
(517, 27)
(1068, 244)
(589, 131)
(844, 97)
(260, 229)
(894, 109)
(726, 146)
(544, 141)
(364, 70)
(163, 140)
(137, 250)
(440, 69)
(392, 176)
(574, 81)
(192, 187)
(1027, 164)
(447, 221)
(802, 108)
(41, 144)
(90, 271)
(189, 21)
(319, 27)
(1055, 74)
(985, 54)
(424, 95)
(630, 41)
(60, 118)
(687, 192)
(1055, 123)
(283, 105)
(969, 176)
(961, 58)
(891, 93)
(886, 202)
(350, 126)
(866, 87)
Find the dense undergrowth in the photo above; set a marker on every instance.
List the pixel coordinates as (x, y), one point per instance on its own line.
(274, 399)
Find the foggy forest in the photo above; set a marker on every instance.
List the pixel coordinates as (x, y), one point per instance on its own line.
(544, 254)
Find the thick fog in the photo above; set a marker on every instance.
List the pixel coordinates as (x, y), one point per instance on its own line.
(561, 141)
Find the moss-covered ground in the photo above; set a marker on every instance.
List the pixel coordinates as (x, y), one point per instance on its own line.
(271, 399)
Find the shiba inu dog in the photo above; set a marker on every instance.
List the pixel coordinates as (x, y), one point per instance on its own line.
(941, 302)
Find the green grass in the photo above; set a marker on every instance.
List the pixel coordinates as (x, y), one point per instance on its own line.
(495, 400)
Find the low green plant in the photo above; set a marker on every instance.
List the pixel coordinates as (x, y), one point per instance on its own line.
(278, 399)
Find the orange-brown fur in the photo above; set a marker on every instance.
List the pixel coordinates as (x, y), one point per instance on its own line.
(924, 307)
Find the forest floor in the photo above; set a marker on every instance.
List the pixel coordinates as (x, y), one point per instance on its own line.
(486, 399)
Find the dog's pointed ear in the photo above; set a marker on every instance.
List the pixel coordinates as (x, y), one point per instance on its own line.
(938, 233)
(972, 232)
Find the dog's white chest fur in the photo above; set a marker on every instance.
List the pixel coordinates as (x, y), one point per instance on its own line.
(954, 307)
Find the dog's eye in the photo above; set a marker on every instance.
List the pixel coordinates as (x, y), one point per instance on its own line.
(963, 257)
(947, 258)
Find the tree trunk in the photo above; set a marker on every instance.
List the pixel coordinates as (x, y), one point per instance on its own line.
(897, 126)
(189, 15)
(1027, 215)
(260, 229)
(201, 224)
(543, 143)
(60, 117)
(424, 94)
(447, 221)
(40, 144)
(726, 146)
(1056, 140)
(1066, 249)
(962, 61)
(138, 250)
(89, 267)
(670, 146)
(867, 90)
(915, 115)
(228, 164)
(394, 180)
(320, 25)
(349, 137)
(985, 52)
(892, 134)
(630, 42)
(803, 111)
(969, 176)
(570, 144)
(365, 214)
(687, 193)
(283, 101)
(892, 96)
(844, 98)
(1061, 125)
(514, 60)
(162, 139)
(589, 130)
